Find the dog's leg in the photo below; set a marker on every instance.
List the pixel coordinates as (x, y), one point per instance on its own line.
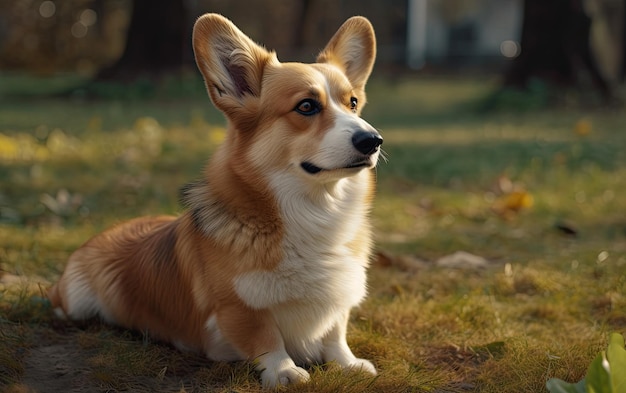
(336, 348)
(256, 335)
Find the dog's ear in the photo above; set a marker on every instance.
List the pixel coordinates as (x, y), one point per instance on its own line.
(231, 63)
(353, 49)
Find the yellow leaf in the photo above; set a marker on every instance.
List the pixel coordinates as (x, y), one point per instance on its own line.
(513, 202)
(217, 135)
(517, 200)
(583, 127)
(8, 148)
(147, 124)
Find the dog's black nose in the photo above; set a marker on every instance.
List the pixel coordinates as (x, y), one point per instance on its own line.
(366, 142)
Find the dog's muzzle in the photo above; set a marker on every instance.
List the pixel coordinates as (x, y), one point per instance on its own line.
(365, 142)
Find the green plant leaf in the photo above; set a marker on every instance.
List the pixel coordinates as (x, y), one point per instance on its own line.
(606, 373)
(556, 385)
(616, 355)
(598, 377)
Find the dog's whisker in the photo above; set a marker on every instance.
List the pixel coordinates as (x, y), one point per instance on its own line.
(384, 156)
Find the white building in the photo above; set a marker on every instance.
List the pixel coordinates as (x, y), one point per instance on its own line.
(462, 31)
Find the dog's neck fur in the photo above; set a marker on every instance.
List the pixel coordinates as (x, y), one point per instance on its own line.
(215, 217)
(257, 217)
(330, 214)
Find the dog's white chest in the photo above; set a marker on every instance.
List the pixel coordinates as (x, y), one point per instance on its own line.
(307, 297)
(334, 280)
(319, 265)
(322, 274)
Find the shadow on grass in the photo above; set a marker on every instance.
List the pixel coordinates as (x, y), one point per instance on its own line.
(77, 87)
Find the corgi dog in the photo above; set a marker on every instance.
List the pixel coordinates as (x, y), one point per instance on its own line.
(271, 251)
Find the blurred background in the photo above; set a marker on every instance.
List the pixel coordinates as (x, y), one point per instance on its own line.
(572, 43)
(468, 93)
(499, 219)
(500, 216)
(465, 91)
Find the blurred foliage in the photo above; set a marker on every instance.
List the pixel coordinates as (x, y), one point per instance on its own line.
(83, 36)
(536, 96)
(606, 374)
(70, 35)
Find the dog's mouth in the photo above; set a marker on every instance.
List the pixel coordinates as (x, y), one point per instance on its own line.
(314, 169)
(310, 168)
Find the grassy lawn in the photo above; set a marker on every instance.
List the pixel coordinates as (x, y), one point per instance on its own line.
(538, 196)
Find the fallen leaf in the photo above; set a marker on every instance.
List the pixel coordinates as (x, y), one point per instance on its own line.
(566, 228)
(406, 263)
(517, 200)
(583, 127)
(462, 260)
(513, 202)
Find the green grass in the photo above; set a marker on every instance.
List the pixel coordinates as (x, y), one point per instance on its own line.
(553, 290)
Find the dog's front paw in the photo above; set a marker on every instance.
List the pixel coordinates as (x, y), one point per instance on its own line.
(361, 365)
(284, 376)
(278, 368)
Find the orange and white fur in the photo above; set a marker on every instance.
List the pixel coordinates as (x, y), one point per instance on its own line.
(271, 252)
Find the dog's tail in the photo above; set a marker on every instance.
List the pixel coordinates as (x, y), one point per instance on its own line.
(55, 301)
(53, 296)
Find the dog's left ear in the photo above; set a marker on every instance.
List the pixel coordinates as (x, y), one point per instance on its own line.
(231, 63)
(353, 49)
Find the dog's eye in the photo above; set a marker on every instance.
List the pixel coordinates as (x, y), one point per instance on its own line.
(353, 103)
(308, 107)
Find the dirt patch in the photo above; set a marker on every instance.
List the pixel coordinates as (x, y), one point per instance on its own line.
(58, 367)
(73, 360)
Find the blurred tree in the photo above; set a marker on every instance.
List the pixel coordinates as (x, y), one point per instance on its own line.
(623, 70)
(48, 36)
(126, 39)
(303, 15)
(556, 45)
(156, 41)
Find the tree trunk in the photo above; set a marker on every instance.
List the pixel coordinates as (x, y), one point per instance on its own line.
(156, 41)
(302, 16)
(555, 47)
(623, 70)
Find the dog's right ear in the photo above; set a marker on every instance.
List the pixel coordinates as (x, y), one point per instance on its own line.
(231, 63)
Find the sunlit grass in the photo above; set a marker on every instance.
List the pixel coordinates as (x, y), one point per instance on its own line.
(553, 288)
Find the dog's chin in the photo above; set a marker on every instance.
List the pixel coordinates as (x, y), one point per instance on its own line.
(313, 169)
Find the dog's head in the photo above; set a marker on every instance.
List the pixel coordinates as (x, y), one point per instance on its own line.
(301, 118)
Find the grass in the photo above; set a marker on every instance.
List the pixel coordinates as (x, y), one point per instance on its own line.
(538, 194)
